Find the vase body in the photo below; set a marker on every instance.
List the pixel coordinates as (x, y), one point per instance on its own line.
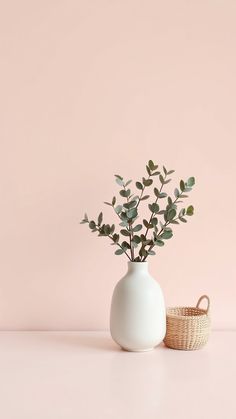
(138, 316)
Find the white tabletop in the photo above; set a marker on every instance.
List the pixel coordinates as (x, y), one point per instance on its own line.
(84, 375)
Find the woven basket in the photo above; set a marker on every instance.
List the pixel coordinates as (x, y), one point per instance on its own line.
(188, 327)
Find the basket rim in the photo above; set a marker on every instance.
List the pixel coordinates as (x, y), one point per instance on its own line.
(201, 311)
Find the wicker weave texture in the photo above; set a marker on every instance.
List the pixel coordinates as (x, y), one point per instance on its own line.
(188, 328)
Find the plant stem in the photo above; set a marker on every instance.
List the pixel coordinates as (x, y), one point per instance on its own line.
(141, 195)
(139, 200)
(132, 255)
(130, 230)
(151, 247)
(153, 212)
(165, 225)
(118, 244)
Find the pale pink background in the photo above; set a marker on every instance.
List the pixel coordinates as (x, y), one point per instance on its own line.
(92, 88)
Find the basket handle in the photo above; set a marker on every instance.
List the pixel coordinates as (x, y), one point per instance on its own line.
(208, 302)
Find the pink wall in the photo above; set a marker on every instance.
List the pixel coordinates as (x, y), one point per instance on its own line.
(93, 88)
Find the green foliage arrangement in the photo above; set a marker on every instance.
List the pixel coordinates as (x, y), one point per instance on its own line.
(138, 240)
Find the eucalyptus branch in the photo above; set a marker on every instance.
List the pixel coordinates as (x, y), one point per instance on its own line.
(104, 232)
(130, 230)
(141, 194)
(152, 171)
(173, 220)
(119, 245)
(128, 214)
(158, 235)
(153, 213)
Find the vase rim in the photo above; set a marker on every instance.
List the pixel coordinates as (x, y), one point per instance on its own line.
(138, 263)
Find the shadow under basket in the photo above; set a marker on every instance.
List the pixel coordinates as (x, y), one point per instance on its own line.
(187, 328)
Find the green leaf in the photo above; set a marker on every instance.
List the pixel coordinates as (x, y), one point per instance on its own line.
(182, 185)
(130, 204)
(151, 252)
(154, 221)
(151, 165)
(170, 172)
(174, 222)
(190, 210)
(100, 217)
(161, 179)
(191, 181)
(159, 243)
(136, 239)
(113, 201)
(107, 229)
(118, 209)
(176, 193)
(144, 197)
(139, 185)
(167, 181)
(92, 225)
(147, 182)
(171, 214)
(155, 173)
(156, 192)
(132, 213)
(112, 228)
(128, 192)
(123, 216)
(138, 227)
(146, 223)
(119, 252)
(119, 177)
(124, 193)
(125, 232)
(183, 219)
(116, 237)
(119, 181)
(162, 195)
(108, 203)
(148, 170)
(85, 217)
(125, 245)
(182, 212)
(154, 208)
(124, 224)
(143, 252)
(127, 183)
(164, 170)
(167, 234)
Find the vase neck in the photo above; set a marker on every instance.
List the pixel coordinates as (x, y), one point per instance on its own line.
(137, 267)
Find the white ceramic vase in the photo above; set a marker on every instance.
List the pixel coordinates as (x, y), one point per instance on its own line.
(138, 316)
